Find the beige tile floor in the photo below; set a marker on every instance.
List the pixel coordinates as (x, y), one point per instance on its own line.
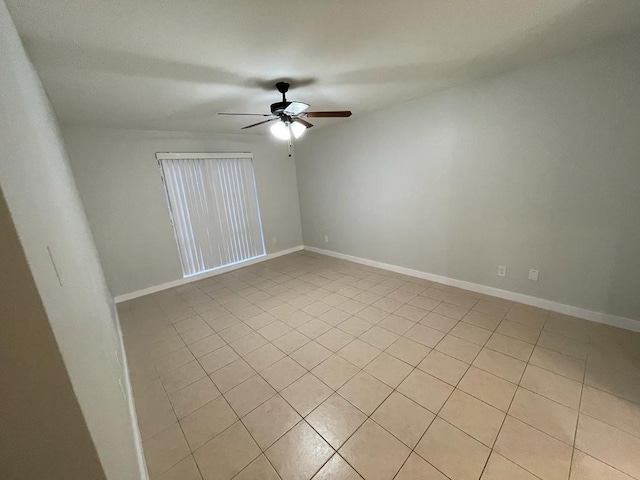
(310, 367)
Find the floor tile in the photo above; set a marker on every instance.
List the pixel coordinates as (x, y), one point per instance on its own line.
(408, 351)
(197, 334)
(518, 331)
(379, 337)
(194, 396)
(388, 369)
(439, 322)
(416, 468)
(510, 346)
(317, 308)
(359, 353)
(260, 320)
(218, 358)
(497, 309)
(306, 393)
(314, 328)
(546, 415)
(425, 303)
(482, 320)
(500, 365)
(249, 394)
(444, 367)
(403, 418)
(499, 468)
(612, 410)
(336, 419)
(290, 342)
(232, 375)
(185, 469)
(248, 343)
(227, 454)
(173, 360)
(179, 378)
(274, 330)
(310, 355)
(427, 336)
(471, 333)
(153, 409)
(395, 324)
(352, 306)
(335, 339)
(335, 371)
(234, 332)
(410, 312)
(374, 452)
(283, 373)
(337, 469)
(564, 345)
(300, 453)
(206, 345)
(425, 390)
(208, 421)
(533, 450)
(551, 385)
(270, 421)
(388, 304)
(449, 310)
(297, 319)
(165, 449)
(372, 315)
(609, 445)
(264, 357)
(334, 316)
(558, 363)
(259, 469)
(527, 315)
(355, 326)
(365, 392)
(459, 348)
(488, 388)
(452, 451)
(585, 467)
(472, 416)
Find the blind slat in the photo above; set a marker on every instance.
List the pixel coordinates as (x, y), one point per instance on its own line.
(214, 211)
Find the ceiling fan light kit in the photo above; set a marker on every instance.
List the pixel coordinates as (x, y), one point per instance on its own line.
(290, 116)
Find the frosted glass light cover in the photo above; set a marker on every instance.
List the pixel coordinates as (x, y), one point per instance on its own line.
(281, 131)
(297, 129)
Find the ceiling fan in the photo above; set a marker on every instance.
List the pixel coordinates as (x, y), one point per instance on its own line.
(290, 116)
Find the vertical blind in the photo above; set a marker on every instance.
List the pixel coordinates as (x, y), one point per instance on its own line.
(214, 209)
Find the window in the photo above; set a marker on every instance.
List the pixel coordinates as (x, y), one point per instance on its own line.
(213, 204)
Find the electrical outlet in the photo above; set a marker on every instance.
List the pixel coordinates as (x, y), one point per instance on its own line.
(533, 274)
(326, 239)
(502, 270)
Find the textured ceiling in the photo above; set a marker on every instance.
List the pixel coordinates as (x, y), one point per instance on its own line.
(173, 64)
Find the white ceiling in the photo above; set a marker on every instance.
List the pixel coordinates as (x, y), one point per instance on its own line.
(173, 64)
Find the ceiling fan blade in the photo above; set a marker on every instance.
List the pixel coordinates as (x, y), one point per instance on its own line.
(342, 113)
(260, 123)
(303, 122)
(251, 114)
(295, 108)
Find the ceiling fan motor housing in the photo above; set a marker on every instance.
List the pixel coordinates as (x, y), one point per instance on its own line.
(279, 107)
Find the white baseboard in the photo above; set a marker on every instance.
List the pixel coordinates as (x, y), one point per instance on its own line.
(195, 278)
(620, 322)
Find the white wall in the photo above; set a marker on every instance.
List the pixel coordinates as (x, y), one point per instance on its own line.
(537, 168)
(48, 217)
(119, 183)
